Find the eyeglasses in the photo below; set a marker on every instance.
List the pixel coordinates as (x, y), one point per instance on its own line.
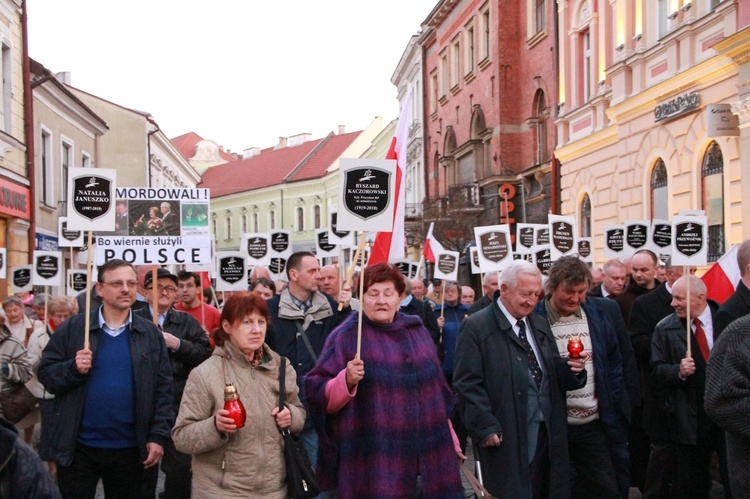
(161, 289)
(121, 284)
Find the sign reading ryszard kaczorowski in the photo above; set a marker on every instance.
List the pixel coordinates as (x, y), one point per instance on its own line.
(367, 191)
(562, 236)
(231, 271)
(494, 248)
(446, 265)
(20, 279)
(91, 195)
(257, 247)
(323, 248)
(689, 240)
(614, 241)
(636, 235)
(47, 268)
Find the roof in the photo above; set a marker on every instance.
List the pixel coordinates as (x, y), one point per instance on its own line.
(186, 145)
(273, 166)
(317, 165)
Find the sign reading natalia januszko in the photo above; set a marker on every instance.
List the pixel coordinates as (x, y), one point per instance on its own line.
(446, 265)
(47, 268)
(494, 247)
(689, 240)
(231, 271)
(367, 191)
(20, 279)
(562, 236)
(91, 195)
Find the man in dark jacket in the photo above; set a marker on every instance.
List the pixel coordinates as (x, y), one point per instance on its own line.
(737, 305)
(682, 376)
(302, 317)
(22, 474)
(109, 426)
(411, 306)
(512, 383)
(188, 346)
(489, 286)
(642, 280)
(598, 413)
(614, 277)
(651, 453)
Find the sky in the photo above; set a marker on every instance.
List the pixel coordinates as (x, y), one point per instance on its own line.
(239, 72)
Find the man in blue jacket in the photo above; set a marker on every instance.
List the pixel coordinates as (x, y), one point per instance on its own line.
(113, 400)
(598, 413)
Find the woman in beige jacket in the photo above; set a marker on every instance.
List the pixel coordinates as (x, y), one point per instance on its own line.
(228, 461)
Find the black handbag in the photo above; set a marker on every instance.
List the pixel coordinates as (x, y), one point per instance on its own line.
(17, 402)
(300, 478)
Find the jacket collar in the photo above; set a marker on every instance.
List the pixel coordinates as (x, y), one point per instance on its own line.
(319, 310)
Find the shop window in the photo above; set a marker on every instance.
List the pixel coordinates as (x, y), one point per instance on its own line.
(659, 198)
(712, 179)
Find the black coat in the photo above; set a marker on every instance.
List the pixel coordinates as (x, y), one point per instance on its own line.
(481, 303)
(596, 291)
(152, 376)
(627, 297)
(491, 377)
(681, 397)
(736, 306)
(194, 347)
(424, 311)
(648, 310)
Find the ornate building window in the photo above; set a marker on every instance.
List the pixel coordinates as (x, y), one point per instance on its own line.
(300, 219)
(540, 127)
(316, 216)
(255, 222)
(712, 180)
(659, 198)
(585, 228)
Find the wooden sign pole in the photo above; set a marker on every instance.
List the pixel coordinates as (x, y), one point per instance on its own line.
(87, 312)
(350, 271)
(46, 297)
(154, 297)
(361, 297)
(686, 272)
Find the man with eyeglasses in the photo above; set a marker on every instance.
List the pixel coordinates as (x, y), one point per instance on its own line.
(114, 398)
(188, 346)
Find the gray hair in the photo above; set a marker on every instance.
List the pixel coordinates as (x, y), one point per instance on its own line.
(40, 299)
(12, 300)
(612, 263)
(509, 275)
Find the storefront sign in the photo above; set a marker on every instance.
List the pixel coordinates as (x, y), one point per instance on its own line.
(721, 121)
(14, 200)
(677, 107)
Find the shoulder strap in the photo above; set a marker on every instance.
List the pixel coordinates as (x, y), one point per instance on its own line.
(282, 383)
(301, 332)
(479, 489)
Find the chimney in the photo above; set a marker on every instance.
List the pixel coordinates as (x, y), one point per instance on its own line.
(282, 143)
(64, 77)
(342, 129)
(250, 152)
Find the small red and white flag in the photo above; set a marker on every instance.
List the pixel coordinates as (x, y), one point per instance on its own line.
(432, 246)
(390, 245)
(723, 277)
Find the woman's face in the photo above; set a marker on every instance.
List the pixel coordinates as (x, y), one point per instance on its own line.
(381, 302)
(249, 334)
(263, 291)
(152, 212)
(14, 313)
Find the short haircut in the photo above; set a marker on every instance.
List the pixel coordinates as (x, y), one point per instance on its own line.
(450, 284)
(697, 286)
(650, 253)
(743, 256)
(264, 281)
(12, 300)
(567, 271)
(237, 307)
(296, 260)
(487, 277)
(509, 275)
(40, 299)
(112, 265)
(668, 263)
(184, 275)
(383, 272)
(612, 263)
(59, 304)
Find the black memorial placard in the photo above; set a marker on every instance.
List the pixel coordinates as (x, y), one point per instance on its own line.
(526, 237)
(543, 261)
(367, 193)
(562, 236)
(542, 236)
(21, 277)
(92, 196)
(614, 239)
(48, 266)
(257, 247)
(280, 242)
(231, 269)
(637, 235)
(323, 243)
(447, 263)
(77, 281)
(335, 225)
(494, 246)
(277, 265)
(689, 238)
(70, 235)
(662, 236)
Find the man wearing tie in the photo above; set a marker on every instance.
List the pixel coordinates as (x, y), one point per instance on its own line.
(682, 378)
(512, 381)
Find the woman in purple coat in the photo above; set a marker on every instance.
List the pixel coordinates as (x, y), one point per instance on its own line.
(384, 429)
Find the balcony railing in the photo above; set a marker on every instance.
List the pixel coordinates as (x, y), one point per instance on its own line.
(464, 196)
(413, 210)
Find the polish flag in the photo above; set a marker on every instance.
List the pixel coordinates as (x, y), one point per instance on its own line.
(390, 245)
(722, 278)
(431, 246)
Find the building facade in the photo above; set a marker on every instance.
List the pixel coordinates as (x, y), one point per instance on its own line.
(639, 83)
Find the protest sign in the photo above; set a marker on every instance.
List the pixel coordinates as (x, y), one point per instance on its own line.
(323, 246)
(660, 238)
(689, 240)
(446, 265)
(366, 194)
(636, 236)
(47, 268)
(67, 238)
(494, 247)
(91, 199)
(474, 259)
(338, 237)
(543, 258)
(3, 263)
(562, 236)
(584, 250)
(76, 282)
(20, 279)
(525, 237)
(231, 271)
(257, 246)
(614, 241)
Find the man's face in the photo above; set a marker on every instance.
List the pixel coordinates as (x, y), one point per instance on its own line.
(307, 276)
(165, 294)
(118, 288)
(521, 299)
(451, 294)
(417, 289)
(644, 270)
(614, 280)
(467, 296)
(329, 282)
(566, 299)
(188, 292)
(491, 286)
(679, 301)
(164, 208)
(673, 273)
(122, 209)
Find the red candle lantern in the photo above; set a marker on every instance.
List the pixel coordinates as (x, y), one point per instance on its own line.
(233, 404)
(575, 347)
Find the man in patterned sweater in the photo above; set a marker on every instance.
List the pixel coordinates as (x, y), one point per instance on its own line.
(598, 413)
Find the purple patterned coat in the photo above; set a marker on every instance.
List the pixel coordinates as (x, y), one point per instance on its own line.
(396, 426)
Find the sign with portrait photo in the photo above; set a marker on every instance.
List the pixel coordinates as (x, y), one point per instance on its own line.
(446, 265)
(91, 197)
(367, 189)
(47, 269)
(494, 247)
(20, 279)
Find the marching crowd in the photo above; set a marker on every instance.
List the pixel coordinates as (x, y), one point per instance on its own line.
(383, 390)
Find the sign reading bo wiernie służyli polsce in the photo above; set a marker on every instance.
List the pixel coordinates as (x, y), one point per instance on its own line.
(158, 226)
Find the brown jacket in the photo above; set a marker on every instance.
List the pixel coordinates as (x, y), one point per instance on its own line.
(248, 463)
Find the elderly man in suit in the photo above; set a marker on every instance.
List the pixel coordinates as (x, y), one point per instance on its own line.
(737, 305)
(512, 382)
(682, 379)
